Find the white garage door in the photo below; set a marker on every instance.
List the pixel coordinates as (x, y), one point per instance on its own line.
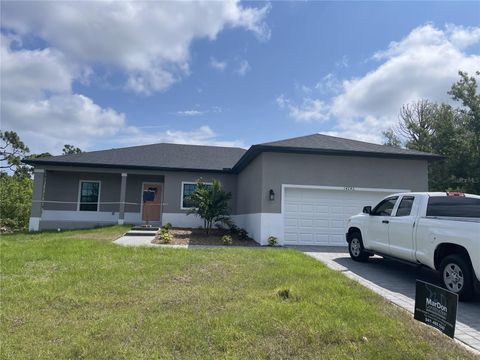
(319, 216)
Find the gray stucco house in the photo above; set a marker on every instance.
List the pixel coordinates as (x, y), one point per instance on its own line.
(300, 190)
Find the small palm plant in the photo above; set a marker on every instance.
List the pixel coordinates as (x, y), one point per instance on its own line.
(210, 202)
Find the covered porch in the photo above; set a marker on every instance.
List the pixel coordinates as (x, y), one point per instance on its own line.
(85, 197)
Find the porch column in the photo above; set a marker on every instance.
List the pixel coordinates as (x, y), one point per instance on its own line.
(123, 193)
(37, 197)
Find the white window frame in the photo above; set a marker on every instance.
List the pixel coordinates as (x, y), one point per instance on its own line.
(80, 194)
(181, 192)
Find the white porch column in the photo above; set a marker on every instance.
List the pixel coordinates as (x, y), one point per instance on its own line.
(37, 198)
(123, 193)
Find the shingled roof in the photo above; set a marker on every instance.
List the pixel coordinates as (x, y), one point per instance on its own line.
(156, 156)
(331, 145)
(215, 158)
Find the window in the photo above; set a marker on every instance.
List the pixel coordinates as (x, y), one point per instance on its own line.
(187, 190)
(453, 206)
(385, 207)
(405, 206)
(89, 195)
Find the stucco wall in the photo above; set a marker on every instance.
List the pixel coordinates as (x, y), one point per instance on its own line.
(324, 170)
(63, 186)
(173, 187)
(249, 187)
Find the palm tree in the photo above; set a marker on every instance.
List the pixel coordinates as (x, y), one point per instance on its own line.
(210, 202)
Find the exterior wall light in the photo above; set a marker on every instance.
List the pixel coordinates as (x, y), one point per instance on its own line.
(271, 195)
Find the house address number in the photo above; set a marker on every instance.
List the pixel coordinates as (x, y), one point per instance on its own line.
(349, 188)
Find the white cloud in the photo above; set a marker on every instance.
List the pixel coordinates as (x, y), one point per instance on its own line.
(148, 41)
(190, 113)
(204, 135)
(309, 110)
(243, 68)
(329, 84)
(217, 65)
(343, 62)
(462, 37)
(197, 112)
(423, 65)
(37, 101)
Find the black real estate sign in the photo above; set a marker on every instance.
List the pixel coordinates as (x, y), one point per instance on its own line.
(436, 307)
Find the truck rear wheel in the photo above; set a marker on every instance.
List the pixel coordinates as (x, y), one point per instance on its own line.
(356, 249)
(456, 275)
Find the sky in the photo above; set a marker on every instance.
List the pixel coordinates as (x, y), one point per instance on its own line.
(108, 74)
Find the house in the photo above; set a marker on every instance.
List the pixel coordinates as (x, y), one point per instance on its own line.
(300, 190)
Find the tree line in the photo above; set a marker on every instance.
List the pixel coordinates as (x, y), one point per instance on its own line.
(451, 130)
(16, 182)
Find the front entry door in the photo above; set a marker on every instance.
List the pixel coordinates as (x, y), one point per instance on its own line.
(152, 202)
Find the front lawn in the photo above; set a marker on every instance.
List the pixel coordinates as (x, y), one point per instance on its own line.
(75, 294)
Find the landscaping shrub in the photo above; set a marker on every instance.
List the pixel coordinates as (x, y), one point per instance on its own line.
(272, 241)
(242, 234)
(167, 226)
(227, 240)
(165, 236)
(233, 229)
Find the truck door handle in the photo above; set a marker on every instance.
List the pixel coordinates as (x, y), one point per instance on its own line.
(385, 221)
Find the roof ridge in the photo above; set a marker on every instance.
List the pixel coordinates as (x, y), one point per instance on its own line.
(336, 138)
(292, 138)
(140, 146)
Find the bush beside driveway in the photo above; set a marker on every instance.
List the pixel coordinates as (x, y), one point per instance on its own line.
(75, 294)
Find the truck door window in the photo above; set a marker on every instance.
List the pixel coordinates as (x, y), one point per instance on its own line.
(385, 207)
(405, 206)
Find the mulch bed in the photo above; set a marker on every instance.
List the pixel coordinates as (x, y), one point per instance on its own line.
(189, 236)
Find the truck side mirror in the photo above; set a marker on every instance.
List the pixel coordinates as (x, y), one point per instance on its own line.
(367, 209)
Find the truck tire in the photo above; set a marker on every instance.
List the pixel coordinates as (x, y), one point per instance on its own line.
(456, 276)
(356, 249)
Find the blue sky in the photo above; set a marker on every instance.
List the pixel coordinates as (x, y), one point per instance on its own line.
(261, 72)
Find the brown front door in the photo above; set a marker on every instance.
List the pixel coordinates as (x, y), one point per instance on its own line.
(152, 202)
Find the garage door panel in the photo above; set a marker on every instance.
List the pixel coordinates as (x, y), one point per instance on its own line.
(336, 210)
(305, 223)
(306, 208)
(291, 222)
(291, 237)
(321, 239)
(337, 239)
(292, 207)
(321, 209)
(319, 216)
(305, 237)
(337, 224)
(320, 223)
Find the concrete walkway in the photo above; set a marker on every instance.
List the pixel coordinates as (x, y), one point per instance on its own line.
(143, 241)
(396, 282)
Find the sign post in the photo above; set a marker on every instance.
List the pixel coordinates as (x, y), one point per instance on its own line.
(436, 307)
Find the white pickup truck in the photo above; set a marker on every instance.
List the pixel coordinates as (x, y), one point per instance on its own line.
(438, 230)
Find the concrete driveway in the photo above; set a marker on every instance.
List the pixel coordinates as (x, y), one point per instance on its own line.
(396, 282)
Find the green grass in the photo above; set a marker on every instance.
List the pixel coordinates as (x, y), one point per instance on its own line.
(76, 295)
